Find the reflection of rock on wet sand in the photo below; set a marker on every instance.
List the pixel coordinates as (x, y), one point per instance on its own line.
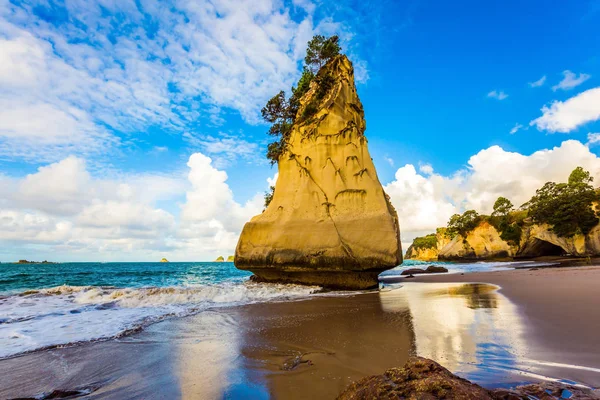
(315, 348)
(465, 327)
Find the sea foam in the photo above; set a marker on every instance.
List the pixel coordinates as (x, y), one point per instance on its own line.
(65, 315)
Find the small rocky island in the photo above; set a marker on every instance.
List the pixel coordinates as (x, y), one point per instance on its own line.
(34, 262)
(328, 222)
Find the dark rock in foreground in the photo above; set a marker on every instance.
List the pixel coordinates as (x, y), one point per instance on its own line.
(432, 269)
(420, 378)
(425, 379)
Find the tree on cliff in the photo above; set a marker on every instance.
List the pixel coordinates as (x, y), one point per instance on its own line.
(463, 224)
(501, 219)
(282, 112)
(502, 207)
(580, 176)
(567, 207)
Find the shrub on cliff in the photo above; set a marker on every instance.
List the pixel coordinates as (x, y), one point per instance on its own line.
(425, 242)
(281, 112)
(269, 196)
(463, 224)
(567, 207)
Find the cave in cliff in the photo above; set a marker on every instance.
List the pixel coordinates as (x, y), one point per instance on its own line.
(539, 248)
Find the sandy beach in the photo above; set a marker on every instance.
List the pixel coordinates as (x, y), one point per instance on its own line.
(496, 329)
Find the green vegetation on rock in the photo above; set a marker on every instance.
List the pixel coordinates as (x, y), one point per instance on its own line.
(320, 50)
(269, 196)
(425, 242)
(463, 224)
(282, 112)
(567, 207)
(506, 221)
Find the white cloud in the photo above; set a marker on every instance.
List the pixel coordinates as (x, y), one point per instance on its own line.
(570, 114)
(113, 69)
(58, 189)
(225, 148)
(160, 149)
(64, 209)
(389, 160)
(425, 202)
(211, 219)
(272, 181)
(538, 83)
(426, 169)
(593, 138)
(499, 95)
(419, 200)
(32, 228)
(570, 80)
(516, 128)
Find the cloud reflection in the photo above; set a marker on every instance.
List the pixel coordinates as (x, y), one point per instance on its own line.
(471, 329)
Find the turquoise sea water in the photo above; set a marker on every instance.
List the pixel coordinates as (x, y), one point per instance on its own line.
(45, 305)
(15, 278)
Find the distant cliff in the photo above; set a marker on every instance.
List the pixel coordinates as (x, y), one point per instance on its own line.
(485, 242)
(427, 248)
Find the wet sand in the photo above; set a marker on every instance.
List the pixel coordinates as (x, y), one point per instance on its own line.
(560, 307)
(315, 348)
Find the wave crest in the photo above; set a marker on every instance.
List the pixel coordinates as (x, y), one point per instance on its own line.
(45, 318)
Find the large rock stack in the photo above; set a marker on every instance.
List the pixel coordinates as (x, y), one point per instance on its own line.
(329, 222)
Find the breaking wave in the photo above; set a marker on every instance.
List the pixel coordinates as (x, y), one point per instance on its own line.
(39, 319)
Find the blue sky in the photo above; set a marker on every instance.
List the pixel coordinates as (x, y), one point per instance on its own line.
(110, 111)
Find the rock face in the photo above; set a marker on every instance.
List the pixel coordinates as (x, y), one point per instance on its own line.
(484, 242)
(421, 378)
(429, 253)
(423, 254)
(329, 222)
(481, 243)
(539, 240)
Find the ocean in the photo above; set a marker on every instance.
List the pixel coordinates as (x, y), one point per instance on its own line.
(50, 305)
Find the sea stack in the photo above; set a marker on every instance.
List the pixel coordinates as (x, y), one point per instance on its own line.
(329, 222)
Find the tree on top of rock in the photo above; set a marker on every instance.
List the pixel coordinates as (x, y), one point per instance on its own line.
(502, 207)
(567, 207)
(463, 224)
(320, 50)
(281, 112)
(579, 175)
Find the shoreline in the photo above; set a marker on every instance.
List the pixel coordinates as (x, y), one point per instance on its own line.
(538, 324)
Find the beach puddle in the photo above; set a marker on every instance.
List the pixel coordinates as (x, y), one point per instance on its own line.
(471, 329)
